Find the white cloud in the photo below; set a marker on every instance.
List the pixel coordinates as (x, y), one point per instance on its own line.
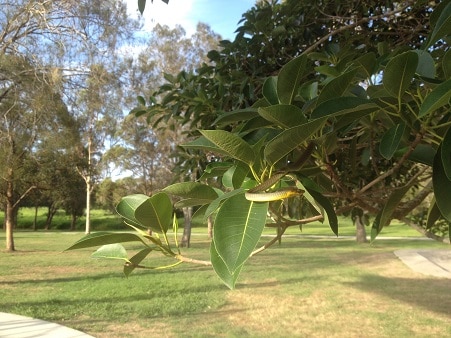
(171, 14)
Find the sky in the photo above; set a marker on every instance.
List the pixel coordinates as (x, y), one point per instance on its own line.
(222, 16)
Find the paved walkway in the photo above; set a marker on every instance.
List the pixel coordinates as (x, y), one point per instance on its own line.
(14, 326)
(428, 262)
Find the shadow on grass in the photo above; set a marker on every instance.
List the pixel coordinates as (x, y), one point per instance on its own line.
(408, 290)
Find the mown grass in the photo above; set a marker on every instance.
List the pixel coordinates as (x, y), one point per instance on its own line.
(315, 287)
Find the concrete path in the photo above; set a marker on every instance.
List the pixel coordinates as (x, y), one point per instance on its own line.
(435, 263)
(14, 326)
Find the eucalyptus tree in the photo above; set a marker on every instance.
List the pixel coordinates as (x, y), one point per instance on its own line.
(38, 87)
(149, 146)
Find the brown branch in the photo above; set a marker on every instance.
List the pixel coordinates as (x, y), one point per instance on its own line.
(357, 23)
(395, 168)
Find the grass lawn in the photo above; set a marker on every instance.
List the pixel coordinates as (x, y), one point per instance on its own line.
(307, 287)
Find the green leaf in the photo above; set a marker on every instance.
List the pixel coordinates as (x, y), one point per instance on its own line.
(231, 144)
(283, 115)
(155, 213)
(426, 64)
(289, 79)
(236, 115)
(423, 153)
(367, 64)
(127, 206)
(391, 139)
(442, 186)
(135, 260)
(270, 90)
(205, 144)
(446, 65)
(314, 190)
(436, 99)
(384, 217)
(289, 139)
(221, 269)
(343, 105)
(336, 87)
(141, 6)
(446, 154)
(238, 227)
(188, 190)
(441, 20)
(220, 200)
(234, 177)
(111, 251)
(399, 72)
(433, 214)
(103, 238)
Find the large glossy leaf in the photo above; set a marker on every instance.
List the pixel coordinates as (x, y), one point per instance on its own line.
(423, 153)
(283, 115)
(384, 217)
(204, 144)
(426, 64)
(446, 154)
(442, 186)
(192, 190)
(127, 206)
(446, 64)
(238, 227)
(234, 177)
(111, 251)
(141, 6)
(136, 260)
(336, 87)
(391, 139)
(104, 238)
(399, 72)
(270, 90)
(221, 269)
(314, 191)
(367, 64)
(441, 21)
(213, 206)
(289, 79)
(289, 139)
(344, 105)
(433, 214)
(436, 99)
(155, 213)
(231, 144)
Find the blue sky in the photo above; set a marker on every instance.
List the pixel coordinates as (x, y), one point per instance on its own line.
(221, 15)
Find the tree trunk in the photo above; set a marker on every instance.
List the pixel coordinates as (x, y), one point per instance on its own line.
(50, 213)
(210, 227)
(360, 233)
(9, 216)
(35, 221)
(88, 205)
(187, 213)
(73, 222)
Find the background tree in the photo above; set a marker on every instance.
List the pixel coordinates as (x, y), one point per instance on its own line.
(39, 89)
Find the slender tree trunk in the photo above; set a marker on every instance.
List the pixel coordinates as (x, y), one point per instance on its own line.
(73, 222)
(35, 221)
(50, 213)
(360, 234)
(210, 227)
(9, 215)
(187, 213)
(88, 205)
